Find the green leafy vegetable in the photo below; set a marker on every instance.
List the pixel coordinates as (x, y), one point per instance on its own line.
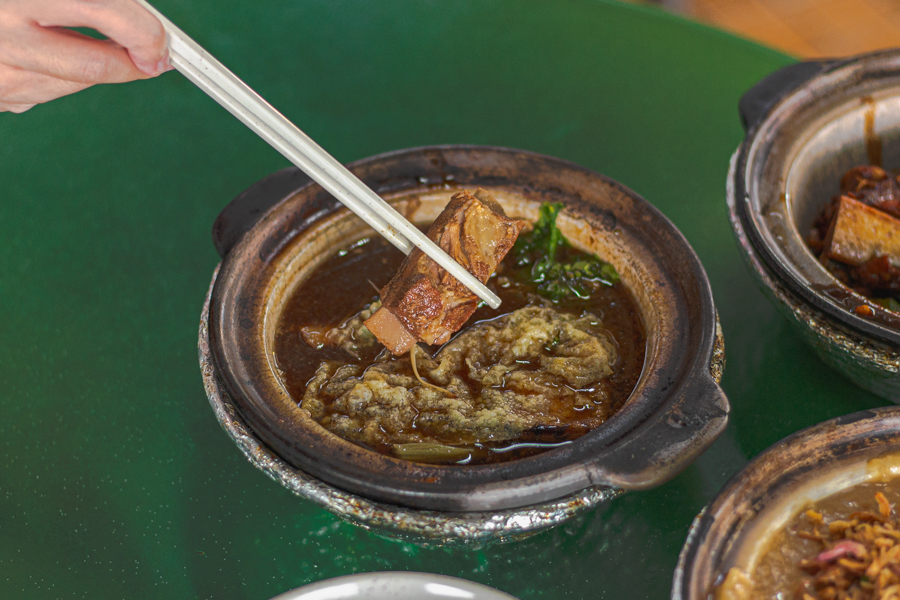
(555, 279)
(544, 239)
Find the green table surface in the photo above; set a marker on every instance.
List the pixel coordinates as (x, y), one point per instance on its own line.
(116, 480)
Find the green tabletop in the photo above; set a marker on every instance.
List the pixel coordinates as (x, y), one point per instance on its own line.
(116, 479)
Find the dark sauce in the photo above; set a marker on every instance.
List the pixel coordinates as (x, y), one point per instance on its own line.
(347, 282)
(873, 141)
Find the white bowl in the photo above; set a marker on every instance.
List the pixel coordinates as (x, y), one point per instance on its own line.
(394, 586)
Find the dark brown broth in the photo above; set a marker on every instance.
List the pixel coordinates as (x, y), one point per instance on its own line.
(345, 283)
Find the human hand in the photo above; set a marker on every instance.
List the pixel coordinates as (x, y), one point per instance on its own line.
(41, 60)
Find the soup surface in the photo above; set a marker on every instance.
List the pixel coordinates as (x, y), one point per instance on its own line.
(513, 382)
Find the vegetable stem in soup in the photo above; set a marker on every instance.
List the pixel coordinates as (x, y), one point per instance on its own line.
(534, 374)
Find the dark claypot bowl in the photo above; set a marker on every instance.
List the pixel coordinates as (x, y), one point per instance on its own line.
(807, 124)
(732, 531)
(278, 231)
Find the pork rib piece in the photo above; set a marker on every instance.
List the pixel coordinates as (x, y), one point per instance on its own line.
(423, 302)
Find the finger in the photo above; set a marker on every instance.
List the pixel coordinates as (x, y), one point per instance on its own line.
(124, 21)
(65, 54)
(28, 88)
(15, 108)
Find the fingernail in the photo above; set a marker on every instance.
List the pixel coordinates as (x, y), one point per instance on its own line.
(150, 68)
(146, 67)
(163, 65)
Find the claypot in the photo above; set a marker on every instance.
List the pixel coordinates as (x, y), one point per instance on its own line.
(278, 231)
(812, 464)
(807, 124)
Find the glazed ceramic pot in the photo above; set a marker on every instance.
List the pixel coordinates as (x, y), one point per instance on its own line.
(275, 234)
(806, 125)
(733, 530)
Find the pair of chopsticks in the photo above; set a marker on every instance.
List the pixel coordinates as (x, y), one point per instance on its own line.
(239, 99)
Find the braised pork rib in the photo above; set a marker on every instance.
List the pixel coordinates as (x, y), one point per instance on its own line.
(423, 302)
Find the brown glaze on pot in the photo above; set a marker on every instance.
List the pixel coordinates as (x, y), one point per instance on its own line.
(675, 412)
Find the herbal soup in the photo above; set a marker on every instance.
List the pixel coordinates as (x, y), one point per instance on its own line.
(558, 358)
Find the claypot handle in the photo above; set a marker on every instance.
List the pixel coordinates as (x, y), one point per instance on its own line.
(762, 97)
(673, 438)
(246, 209)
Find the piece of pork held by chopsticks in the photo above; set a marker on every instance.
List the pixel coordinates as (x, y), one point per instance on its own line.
(423, 302)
